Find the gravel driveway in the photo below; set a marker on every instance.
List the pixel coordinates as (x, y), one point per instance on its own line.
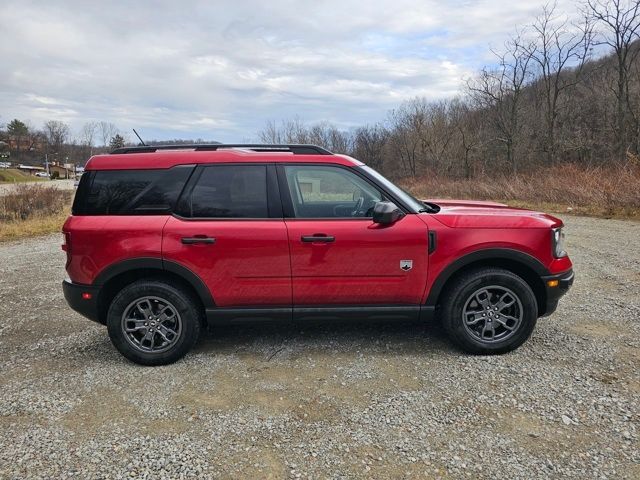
(328, 400)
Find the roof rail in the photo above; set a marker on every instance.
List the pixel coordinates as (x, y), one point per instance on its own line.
(299, 149)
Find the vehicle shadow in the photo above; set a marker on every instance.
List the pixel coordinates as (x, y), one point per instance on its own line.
(335, 337)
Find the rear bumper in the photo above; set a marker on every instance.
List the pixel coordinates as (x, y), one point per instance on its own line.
(565, 280)
(87, 307)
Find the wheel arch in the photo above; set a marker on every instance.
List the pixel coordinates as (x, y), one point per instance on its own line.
(117, 276)
(524, 265)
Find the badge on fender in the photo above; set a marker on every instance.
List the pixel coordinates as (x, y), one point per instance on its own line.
(406, 265)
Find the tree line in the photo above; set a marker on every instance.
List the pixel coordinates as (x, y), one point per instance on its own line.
(551, 97)
(26, 143)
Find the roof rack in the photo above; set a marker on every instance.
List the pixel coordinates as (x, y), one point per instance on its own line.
(199, 147)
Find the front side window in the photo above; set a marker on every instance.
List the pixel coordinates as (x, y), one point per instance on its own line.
(330, 192)
(228, 191)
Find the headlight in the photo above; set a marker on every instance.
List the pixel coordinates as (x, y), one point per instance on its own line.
(557, 242)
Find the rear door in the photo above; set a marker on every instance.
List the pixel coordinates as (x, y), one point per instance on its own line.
(228, 229)
(338, 255)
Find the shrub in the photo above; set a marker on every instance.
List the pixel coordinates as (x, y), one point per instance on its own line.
(55, 175)
(26, 201)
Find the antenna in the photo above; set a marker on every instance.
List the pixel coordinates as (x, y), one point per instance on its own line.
(141, 141)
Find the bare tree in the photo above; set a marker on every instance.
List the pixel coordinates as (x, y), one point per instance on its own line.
(107, 131)
(633, 103)
(369, 145)
(439, 134)
(57, 135)
(619, 21)
(558, 46)
(289, 131)
(330, 137)
(88, 135)
(408, 124)
(295, 131)
(500, 92)
(468, 123)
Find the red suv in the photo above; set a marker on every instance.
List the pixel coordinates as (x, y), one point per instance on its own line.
(165, 240)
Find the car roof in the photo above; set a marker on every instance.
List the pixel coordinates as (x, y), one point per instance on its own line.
(145, 157)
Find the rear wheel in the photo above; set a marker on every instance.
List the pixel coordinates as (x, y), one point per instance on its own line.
(153, 322)
(489, 311)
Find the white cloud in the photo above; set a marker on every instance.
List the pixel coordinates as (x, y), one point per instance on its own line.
(220, 69)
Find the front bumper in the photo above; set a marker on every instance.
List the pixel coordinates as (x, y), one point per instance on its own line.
(86, 306)
(564, 282)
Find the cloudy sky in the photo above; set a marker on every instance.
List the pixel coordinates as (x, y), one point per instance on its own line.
(219, 70)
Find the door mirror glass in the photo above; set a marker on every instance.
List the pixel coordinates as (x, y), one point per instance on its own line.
(386, 213)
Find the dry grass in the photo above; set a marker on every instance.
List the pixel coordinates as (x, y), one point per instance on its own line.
(32, 227)
(13, 175)
(31, 210)
(604, 192)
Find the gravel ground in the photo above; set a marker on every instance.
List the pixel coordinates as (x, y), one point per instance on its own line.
(333, 400)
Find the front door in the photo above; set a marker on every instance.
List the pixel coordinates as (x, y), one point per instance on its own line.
(338, 255)
(230, 233)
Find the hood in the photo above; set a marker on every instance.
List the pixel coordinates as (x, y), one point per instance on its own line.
(478, 214)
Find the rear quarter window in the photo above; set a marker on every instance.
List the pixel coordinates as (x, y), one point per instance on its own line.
(130, 192)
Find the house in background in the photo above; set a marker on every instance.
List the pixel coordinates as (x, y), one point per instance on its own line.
(64, 171)
(30, 169)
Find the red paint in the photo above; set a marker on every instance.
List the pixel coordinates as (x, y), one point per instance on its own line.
(454, 243)
(362, 265)
(101, 241)
(248, 265)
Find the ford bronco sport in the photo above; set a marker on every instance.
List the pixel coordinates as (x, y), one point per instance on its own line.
(165, 240)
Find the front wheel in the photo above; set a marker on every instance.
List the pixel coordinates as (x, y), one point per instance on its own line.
(489, 311)
(153, 322)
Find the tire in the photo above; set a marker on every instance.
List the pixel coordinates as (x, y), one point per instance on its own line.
(167, 334)
(470, 324)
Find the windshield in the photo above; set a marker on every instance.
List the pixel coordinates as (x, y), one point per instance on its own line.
(415, 204)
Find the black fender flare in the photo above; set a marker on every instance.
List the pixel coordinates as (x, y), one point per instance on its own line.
(483, 255)
(154, 263)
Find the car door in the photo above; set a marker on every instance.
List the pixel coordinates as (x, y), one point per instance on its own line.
(228, 230)
(339, 256)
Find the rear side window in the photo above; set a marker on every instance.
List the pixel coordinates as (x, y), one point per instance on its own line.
(228, 191)
(130, 192)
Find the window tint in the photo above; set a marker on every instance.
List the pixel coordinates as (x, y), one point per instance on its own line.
(229, 191)
(325, 192)
(130, 192)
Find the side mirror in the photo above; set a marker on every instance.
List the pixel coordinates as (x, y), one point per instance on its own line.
(386, 213)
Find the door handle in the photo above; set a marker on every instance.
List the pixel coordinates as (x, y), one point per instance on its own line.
(318, 237)
(197, 239)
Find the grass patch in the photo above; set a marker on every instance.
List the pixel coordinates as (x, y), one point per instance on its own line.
(31, 210)
(12, 175)
(33, 227)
